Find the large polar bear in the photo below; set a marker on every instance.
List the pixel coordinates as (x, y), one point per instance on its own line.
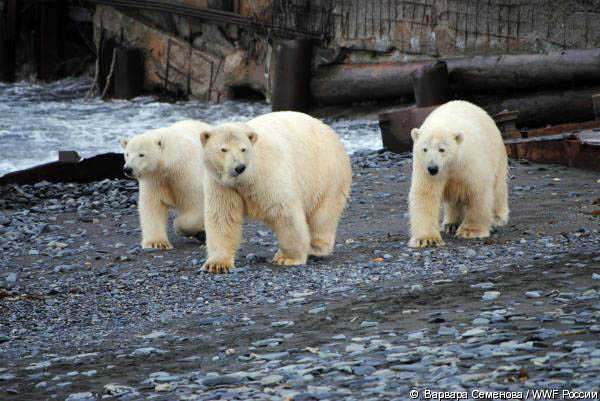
(167, 162)
(459, 161)
(285, 169)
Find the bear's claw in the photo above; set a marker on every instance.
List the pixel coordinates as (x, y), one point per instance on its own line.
(450, 228)
(162, 245)
(216, 267)
(425, 242)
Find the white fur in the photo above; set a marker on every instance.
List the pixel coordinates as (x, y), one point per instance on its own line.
(471, 183)
(170, 176)
(297, 181)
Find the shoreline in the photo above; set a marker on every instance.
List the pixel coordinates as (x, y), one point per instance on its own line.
(367, 322)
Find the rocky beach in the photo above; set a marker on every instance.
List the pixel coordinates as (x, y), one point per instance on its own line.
(85, 314)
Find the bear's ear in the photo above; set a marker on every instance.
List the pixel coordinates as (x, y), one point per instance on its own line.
(123, 142)
(415, 134)
(252, 137)
(204, 137)
(458, 137)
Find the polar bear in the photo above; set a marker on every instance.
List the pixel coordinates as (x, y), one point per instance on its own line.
(459, 161)
(167, 162)
(285, 169)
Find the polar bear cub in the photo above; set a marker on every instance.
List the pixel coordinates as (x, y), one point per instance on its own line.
(460, 163)
(167, 162)
(285, 169)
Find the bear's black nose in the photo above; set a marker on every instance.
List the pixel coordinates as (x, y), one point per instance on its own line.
(433, 170)
(240, 169)
(128, 171)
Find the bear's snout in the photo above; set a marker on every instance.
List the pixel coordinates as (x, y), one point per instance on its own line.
(240, 169)
(128, 171)
(433, 170)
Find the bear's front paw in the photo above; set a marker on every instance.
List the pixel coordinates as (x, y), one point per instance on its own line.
(450, 228)
(282, 259)
(471, 232)
(217, 266)
(422, 242)
(159, 244)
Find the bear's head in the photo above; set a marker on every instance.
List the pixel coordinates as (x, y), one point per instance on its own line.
(228, 151)
(143, 155)
(435, 150)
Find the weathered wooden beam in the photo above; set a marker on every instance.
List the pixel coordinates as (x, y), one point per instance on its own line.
(128, 74)
(542, 108)
(339, 84)
(291, 90)
(526, 71)
(49, 18)
(431, 85)
(96, 168)
(8, 40)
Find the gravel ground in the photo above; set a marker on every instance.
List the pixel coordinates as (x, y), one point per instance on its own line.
(85, 314)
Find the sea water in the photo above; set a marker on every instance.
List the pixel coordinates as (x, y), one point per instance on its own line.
(38, 119)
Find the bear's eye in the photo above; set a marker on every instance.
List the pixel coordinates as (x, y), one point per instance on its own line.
(141, 155)
(243, 150)
(223, 150)
(442, 150)
(425, 150)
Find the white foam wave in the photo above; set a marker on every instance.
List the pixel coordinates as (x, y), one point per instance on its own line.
(37, 120)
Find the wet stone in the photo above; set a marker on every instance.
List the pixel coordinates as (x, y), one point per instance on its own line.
(490, 295)
(222, 380)
(86, 396)
(271, 380)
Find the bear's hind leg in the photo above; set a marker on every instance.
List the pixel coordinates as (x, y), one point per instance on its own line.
(478, 216)
(454, 214)
(190, 224)
(292, 235)
(322, 224)
(501, 210)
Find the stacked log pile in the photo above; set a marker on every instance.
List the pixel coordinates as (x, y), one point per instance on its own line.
(545, 88)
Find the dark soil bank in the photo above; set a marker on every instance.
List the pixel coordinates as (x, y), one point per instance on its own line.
(85, 314)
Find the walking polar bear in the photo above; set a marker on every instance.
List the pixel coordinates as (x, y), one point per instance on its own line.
(459, 160)
(167, 162)
(285, 169)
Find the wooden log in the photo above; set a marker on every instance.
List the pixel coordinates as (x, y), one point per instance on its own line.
(95, 168)
(525, 72)
(538, 109)
(8, 17)
(339, 84)
(129, 73)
